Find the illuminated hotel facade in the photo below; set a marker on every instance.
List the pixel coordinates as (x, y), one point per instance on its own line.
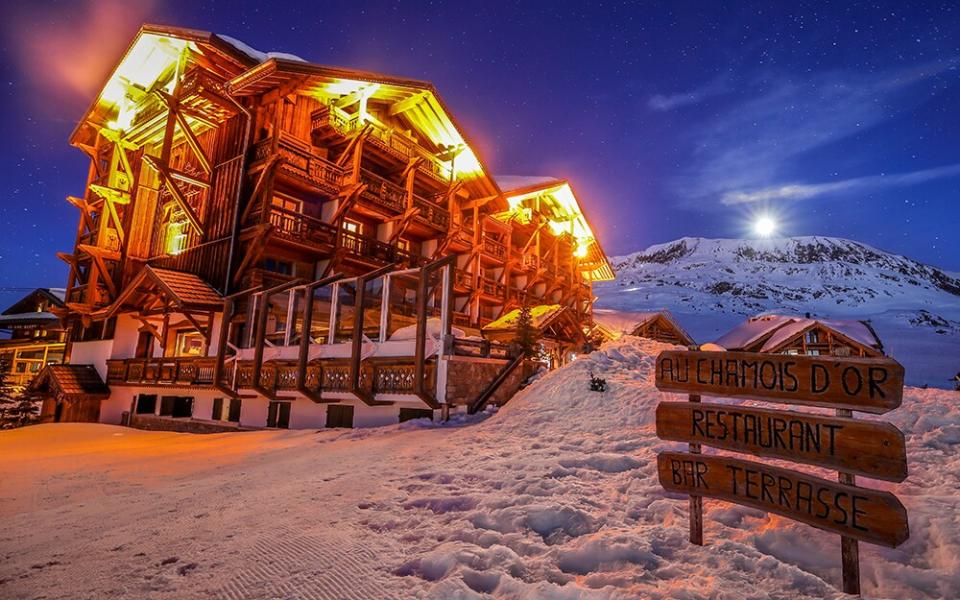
(265, 242)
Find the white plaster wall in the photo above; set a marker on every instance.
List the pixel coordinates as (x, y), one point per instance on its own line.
(92, 353)
(125, 337)
(307, 414)
(253, 412)
(112, 409)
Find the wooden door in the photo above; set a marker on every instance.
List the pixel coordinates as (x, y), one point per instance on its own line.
(340, 415)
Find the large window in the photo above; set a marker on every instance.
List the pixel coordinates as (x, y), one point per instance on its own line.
(188, 343)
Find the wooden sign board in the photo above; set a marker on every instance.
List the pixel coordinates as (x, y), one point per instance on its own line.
(861, 447)
(851, 511)
(873, 385)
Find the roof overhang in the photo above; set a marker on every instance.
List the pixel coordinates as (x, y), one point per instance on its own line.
(559, 204)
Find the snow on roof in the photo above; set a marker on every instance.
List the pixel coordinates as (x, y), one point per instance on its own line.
(751, 330)
(27, 318)
(784, 327)
(509, 183)
(539, 315)
(256, 54)
(857, 331)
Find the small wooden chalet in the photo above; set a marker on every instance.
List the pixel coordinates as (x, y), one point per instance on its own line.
(70, 393)
(270, 242)
(783, 334)
(34, 335)
(556, 326)
(662, 327)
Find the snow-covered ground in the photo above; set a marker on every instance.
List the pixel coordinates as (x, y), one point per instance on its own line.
(711, 285)
(556, 496)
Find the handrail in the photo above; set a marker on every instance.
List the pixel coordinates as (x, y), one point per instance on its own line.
(357, 338)
(260, 333)
(446, 326)
(305, 339)
(484, 397)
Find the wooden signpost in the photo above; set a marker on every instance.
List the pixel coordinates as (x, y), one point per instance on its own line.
(869, 448)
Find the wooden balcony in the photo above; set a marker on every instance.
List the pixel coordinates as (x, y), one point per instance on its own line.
(301, 229)
(529, 262)
(518, 295)
(462, 280)
(179, 371)
(377, 375)
(391, 198)
(494, 249)
(493, 289)
(380, 252)
(302, 162)
(382, 193)
(329, 122)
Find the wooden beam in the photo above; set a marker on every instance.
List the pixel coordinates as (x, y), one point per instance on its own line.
(406, 104)
(174, 190)
(193, 142)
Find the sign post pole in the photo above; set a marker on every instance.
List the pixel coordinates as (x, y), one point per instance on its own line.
(849, 547)
(696, 502)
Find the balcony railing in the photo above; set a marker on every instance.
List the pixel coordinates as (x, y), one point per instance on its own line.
(301, 161)
(462, 279)
(392, 142)
(298, 227)
(373, 249)
(492, 288)
(191, 370)
(383, 193)
(378, 376)
(433, 214)
(529, 261)
(492, 247)
(518, 294)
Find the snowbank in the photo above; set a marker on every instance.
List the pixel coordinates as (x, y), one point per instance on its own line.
(554, 496)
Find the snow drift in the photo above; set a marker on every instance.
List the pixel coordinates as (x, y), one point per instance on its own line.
(555, 496)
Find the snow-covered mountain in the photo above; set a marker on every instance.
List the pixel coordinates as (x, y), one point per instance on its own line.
(711, 284)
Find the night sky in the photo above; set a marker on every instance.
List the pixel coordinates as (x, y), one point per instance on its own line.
(671, 119)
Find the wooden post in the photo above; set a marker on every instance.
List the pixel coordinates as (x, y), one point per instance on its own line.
(696, 502)
(849, 547)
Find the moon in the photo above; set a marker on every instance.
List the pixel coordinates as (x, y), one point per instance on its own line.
(764, 226)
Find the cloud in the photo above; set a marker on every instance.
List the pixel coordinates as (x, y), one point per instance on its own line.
(66, 52)
(803, 191)
(751, 150)
(662, 103)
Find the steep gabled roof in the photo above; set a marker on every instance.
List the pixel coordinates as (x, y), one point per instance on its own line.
(560, 205)
(777, 331)
(645, 318)
(70, 382)
(185, 291)
(54, 296)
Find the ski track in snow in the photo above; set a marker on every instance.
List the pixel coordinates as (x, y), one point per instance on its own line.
(555, 496)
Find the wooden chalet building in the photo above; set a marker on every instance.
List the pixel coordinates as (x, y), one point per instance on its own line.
(662, 327)
(781, 334)
(264, 241)
(33, 335)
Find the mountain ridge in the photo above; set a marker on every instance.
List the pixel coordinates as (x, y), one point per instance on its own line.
(711, 284)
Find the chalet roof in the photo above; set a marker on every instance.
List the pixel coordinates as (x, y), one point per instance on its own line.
(644, 318)
(856, 331)
(28, 318)
(751, 330)
(54, 296)
(540, 316)
(780, 329)
(560, 205)
(511, 183)
(70, 382)
(186, 291)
